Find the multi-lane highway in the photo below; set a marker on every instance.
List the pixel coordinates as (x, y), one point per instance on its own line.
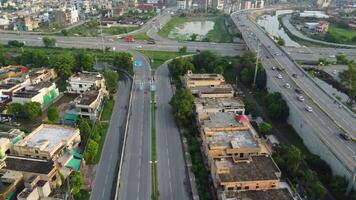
(106, 171)
(314, 54)
(172, 177)
(327, 117)
(135, 183)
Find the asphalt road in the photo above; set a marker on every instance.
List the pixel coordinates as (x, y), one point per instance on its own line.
(102, 43)
(172, 174)
(323, 126)
(106, 171)
(135, 183)
(314, 54)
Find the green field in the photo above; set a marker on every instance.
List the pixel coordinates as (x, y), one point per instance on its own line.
(141, 36)
(159, 57)
(93, 31)
(108, 108)
(174, 22)
(341, 32)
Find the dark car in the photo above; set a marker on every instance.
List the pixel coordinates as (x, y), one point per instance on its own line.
(280, 69)
(345, 136)
(294, 75)
(298, 91)
(198, 50)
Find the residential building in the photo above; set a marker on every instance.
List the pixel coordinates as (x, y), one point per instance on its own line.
(88, 104)
(38, 75)
(181, 4)
(313, 14)
(84, 81)
(222, 121)
(219, 4)
(72, 16)
(214, 105)
(47, 142)
(60, 17)
(44, 93)
(316, 27)
(275, 194)
(12, 71)
(7, 90)
(35, 189)
(220, 91)
(9, 182)
(261, 173)
(191, 80)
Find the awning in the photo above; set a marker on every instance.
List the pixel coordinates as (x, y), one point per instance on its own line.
(71, 116)
(74, 164)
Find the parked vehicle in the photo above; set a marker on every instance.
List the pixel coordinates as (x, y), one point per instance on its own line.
(308, 108)
(287, 85)
(279, 76)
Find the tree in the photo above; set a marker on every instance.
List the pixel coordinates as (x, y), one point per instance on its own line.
(63, 64)
(123, 61)
(49, 41)
(111, 79)
(318, 189)
(84, 127)
(91, 151)
(85, 62)
(15, 43)
(280, 41)
(277, 106)
(77, 182)
(342, 59)
(179, 66)
(246, 76)
(293, 158)
(52, 114)
(194, 37)
(16, 109)
(182, 104)
(65, 32)
(348, 78)
(183, 49)
(265, 127)
(205, 61)
(32, 110)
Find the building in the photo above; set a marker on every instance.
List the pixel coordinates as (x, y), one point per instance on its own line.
(9, 183)
(35, 189)
(60, 17)
(261, 173)
(88, 104)
(220, 91)
(214, 105)
(313, 14)
(44, 93)
(72, 16)
(219, 4)
(84, 81)
(181, 4)
(38, 75)
(191, 80)
(12, 71)
(316, 27)
(9, 87)
(47, 142)
(276, 194)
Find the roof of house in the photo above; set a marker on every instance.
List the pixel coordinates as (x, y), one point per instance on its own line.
(273, 194)
(28, 165)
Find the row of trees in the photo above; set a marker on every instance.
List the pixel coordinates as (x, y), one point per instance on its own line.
(246, 68)
(111, 79)
(30, 110)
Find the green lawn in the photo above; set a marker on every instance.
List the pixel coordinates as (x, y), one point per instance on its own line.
(159, 57)
(348, 33)
(108, 108)
(85, 30)
(174, 22)
(220, 32)
(103, 127)
(141, 36)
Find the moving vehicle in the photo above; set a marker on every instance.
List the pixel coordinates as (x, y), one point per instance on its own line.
(151, 41)
(345, 136)
(298, 91)
(300, 98)
(308, 108)
(279, 76)
(274, 68)
(294, 75)
(287, 85)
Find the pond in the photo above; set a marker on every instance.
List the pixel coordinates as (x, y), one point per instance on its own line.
(272, 26)
(185, 31)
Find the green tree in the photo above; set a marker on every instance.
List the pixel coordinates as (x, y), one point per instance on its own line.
(280, 41)
(85, 62)
(15, 43)
(111, 79)
(32, 110)
(65, 32)
(318, 189)
(205, 61)
(194, 37)
(342, 59)
(52, 114)
(182, 104)
(63, 64)
(91, 151)
(265, 127)
(179, 66)
(246, 76)
(84, 127)
(183, 49)
(77, 182)
(16, 109)
(123, 61)
(49, 41)
(277, 106)
(293, 158)
(348, 78)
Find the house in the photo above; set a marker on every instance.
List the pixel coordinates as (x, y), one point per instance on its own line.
(9, 183)
(38, 75)
(44, 93)
(37, 189)
(47, 142)
(214, 105)
(10, 86)
(191, 80)
(88, 104)
(84, 81)
(12, 71)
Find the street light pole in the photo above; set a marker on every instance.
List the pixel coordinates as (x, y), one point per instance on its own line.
(256, 67)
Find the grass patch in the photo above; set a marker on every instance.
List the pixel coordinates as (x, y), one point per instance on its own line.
(174, 22)
(159, 57)
(155, 192)
(88, 31)
(141, 36)
(103, 128)
(220, 32)
(107, 111)
(341, 32)
(84, 195)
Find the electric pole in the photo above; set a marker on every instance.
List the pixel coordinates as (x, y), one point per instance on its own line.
(256, 67)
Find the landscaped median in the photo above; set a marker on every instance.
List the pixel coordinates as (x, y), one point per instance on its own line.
(155, 192)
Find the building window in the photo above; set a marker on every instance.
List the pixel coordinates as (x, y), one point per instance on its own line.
(238, 188)
(80, 86)
(230, 188)
(36, 151)
(247, 187)
(241, 155)
(257, 187)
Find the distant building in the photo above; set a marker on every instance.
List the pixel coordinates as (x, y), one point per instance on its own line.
(36, 189)
(10, 86)
(38, 75)
(218, 4)
(317, 27)
(84, 81)
(181, 4)
(313, 14)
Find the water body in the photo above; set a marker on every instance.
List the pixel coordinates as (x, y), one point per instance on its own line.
(184, 32)
(272, 26)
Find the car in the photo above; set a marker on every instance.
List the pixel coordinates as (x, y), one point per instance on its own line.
(300, 98)
(334, 71)
(345, 136)
(151, 42)
(308, 108)
(198, 50)
(280, 68)
(294, 75)
(279, 76)
(139, 46)
(273, 68)
(298, 91)
(287, 85)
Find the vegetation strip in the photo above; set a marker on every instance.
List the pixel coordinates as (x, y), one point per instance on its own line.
(155, 192)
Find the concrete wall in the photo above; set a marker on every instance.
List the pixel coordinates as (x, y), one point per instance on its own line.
(310, 137)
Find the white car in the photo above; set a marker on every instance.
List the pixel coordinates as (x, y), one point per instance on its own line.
(274, 68)
(279, 76)
(300, 98)
(287, 85)
(139, 46)
(308, 108)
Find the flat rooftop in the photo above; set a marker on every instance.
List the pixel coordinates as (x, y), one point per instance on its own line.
(221, 89)
(197, 77)
(273, 194)
(260, 168)
(232, 139)
(28, 165)
(221, 119)
(7, 85)
(32, 90)
(86, 76)
(232, 102)
(87, 98)
(3, 185)
(50, 135)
